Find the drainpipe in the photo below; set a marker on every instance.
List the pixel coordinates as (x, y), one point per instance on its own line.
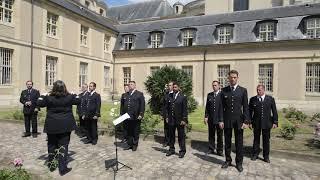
(31, 56)
(204, 74)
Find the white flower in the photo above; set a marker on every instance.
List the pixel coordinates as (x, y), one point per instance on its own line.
(116, 103)
(111, 114)
(113, 109)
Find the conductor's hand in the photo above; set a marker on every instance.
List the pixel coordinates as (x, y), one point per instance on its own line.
(221, 125)
(183, 123)
(95, 117)
(205, 121)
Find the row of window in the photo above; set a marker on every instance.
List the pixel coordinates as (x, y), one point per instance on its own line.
(265, 76)
(52, 31)
(265, 31)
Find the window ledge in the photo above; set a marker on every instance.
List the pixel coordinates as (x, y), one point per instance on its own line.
(53, 37)
(6, 86)
(7, 24)
(84, 46)
(313, 94)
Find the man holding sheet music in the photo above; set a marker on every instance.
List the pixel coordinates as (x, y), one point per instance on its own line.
(134, 105)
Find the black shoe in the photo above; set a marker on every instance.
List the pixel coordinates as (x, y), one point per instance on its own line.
(94, 142)
(169, 153)
(127, 148)
(267, 160)
(165, 144)
(27, 134)
(34, 135)
(225, 165)
(210, 151)
(239, 168)
(64, 172)
(181, 154)
(254, 157)
(134, 148)
(220, 153)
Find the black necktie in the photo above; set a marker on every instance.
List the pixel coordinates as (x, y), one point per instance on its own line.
(232, 88)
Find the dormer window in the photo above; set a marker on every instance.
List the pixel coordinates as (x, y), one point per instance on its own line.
(312, 28)
(266, 30)
(224, 34)
(188, 37)
(156, 39)
(128, 41)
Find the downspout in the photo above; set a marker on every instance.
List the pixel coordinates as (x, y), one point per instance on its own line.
(31, 56)
(204, 74)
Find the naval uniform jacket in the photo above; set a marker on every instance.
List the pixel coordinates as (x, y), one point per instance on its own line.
(177, 109)
(214, 109)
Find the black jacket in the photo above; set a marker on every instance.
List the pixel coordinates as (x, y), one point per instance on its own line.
(263, 114)
(124, 97)
(81, 108)
(177, 109)
(93, 105)
(59, 118)
(166, 97)
(33, 97)
(134, 105)
(235, 106)
(214, 109)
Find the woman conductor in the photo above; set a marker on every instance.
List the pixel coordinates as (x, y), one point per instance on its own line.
(59, 123)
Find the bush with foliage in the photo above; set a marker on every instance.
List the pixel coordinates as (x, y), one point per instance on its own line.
(18, 115)
(18, 173)
(288, 130)
(156, 84)
(150, 122)
(294, 114)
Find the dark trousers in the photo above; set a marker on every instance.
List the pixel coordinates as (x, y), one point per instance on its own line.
(265, 140)
(213, 128)
(125, 130)
(166, 132)
(92, 129)
(33, 119)
(133, 132)
(58, 142)
(181, 137)
(238, 133)
(82, 125)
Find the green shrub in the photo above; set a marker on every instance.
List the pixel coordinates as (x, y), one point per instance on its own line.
(315, 117)
(15, 174)
(294, 114)
(18, 115)
(288, 130)
(149, 122)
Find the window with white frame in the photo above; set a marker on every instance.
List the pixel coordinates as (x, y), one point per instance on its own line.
(83, 74)
(155, 39)
(51, 70)
(154, 69)
(52, 24)
(128, 42)
(187, 37)
(5, 66)
(313, 28)
(84, 35)
(188, 70)
(6, 10)
(223, 71)
(313, 78)
(267, 31)
(106, 42)
(224, 34)
(126, 75)
(106, 74)
(266, 76)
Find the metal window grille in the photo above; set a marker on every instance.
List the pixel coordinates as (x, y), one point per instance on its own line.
(5, 66)
(6, 11)
(126, 75)
(313, 78)
(223, 71)
(83, 74)
(266, 76)
(51, 70)
(52, 27)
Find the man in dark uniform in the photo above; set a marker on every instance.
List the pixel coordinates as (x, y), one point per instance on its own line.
(29, 99)
(168, 95)
(92, 114)
(81, 110)
(177, 118)
(124, 96)
(235, 117)
(264, 116)
(134, 105)
(214, 115)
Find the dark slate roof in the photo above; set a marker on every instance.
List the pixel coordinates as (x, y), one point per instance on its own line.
(288, 17)
(90, 15)
(139, 11)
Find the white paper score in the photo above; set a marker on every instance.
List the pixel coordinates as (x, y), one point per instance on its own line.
(121, 119)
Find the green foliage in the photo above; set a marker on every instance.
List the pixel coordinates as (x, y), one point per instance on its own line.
(18, 115)
(156, 83)
(288, 130)
(54, 163)
(150, 122)
(14, 174)
(315, 117)
(192, 104)
(294, 114)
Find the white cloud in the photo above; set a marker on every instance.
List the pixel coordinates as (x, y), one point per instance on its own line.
(170, 1)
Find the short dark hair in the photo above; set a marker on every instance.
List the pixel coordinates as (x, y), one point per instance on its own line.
(59, 89)
(94, 84)
(215, 81)
(132, 82)
(261, 85)
(233, 72)
(125, 85)
(29, 81)
(175, 83)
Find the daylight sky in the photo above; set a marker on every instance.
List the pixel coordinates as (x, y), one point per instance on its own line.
(111, 3)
